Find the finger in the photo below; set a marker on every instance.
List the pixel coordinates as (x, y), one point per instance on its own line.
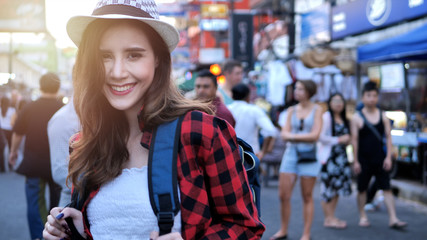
(56, 224)
(55, 211)
(47, 235)
(55, 231)
(70, 212)
(154, 235)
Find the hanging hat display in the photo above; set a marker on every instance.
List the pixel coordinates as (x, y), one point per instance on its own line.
(318, 57)
(345, 62)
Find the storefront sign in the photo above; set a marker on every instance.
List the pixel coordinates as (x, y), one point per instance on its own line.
(211, 55)
(22, 16)
(214, 24)
(242, 38)
(315, 25)
(364, 15)
(214, 10)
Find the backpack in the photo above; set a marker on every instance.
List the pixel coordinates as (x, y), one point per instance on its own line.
(164, 197)
(162, 176)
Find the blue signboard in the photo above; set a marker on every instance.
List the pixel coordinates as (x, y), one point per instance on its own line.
(364, 15)
(315, 25)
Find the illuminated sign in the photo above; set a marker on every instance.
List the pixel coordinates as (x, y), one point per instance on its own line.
(365, 15)
(213, 24)
(214, 10)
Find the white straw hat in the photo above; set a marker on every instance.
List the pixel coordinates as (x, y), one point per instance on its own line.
(142, 10)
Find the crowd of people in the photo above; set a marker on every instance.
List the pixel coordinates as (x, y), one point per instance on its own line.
(100, 144)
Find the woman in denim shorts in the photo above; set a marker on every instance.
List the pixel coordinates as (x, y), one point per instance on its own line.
(301, 131)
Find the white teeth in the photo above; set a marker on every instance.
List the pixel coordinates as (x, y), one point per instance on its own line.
(121, 88)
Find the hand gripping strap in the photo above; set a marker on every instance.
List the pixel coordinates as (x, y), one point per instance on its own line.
(162, 174)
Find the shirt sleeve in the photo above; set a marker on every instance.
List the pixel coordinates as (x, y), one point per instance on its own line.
(60, 129)
(265, 124)
(21, 123)
(233, 214)
(326, 137)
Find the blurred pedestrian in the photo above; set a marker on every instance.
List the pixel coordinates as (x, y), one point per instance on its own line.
(32, 123)
(7, 112)
(206, 87)
(19, 107)
(372, 156)
(61, 127)
(3, 152)
(301, 131)
(335, 174)
(250, 120)
(122, 92)
(233, 73)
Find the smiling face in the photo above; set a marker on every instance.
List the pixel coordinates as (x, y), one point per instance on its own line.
(129, 63)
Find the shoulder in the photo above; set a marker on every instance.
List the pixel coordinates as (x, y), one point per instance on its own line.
(383, 114)
(200, 127)
(356, 118)
(317, 108)
(326, 116)
(201, 121)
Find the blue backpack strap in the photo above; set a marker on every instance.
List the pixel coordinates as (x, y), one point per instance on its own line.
(162, 174)
(251, 164)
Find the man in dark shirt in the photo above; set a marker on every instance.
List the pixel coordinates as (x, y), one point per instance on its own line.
(32, 123)
(206, 87)
(369, 127)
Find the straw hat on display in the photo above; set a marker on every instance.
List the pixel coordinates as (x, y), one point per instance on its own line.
(318, 57)
(141, 10)
(345, 62)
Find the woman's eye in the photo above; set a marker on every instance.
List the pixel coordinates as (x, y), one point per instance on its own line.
(134, 55)
(106, 56)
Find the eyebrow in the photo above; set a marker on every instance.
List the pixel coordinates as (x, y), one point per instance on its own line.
(135, 49)
(132, 49)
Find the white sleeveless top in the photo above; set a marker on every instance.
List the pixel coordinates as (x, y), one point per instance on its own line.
(122, 210)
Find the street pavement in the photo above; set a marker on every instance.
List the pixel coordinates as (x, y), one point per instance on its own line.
(13, 223)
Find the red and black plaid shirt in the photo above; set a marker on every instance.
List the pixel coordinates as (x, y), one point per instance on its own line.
(216, 202)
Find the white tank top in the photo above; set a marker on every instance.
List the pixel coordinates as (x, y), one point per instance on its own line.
(122, 210)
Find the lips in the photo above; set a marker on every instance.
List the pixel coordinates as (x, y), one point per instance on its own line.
(122, 89)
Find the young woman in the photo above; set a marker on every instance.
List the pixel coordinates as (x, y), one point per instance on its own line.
(122, 91)
(301, 131)
(336, 171)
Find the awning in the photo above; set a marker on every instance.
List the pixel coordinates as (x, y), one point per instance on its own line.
(409, 46)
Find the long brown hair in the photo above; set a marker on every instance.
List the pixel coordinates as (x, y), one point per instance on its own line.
(100, 153)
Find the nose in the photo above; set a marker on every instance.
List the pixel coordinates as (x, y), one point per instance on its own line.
(119, 69)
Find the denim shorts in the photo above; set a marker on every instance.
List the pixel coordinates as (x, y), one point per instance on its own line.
(290, 164)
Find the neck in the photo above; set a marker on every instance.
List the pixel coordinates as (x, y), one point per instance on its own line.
(337, 115)
(227, 85)
(132, 118)
(48, 95)
(370, 109)
(304, 103)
